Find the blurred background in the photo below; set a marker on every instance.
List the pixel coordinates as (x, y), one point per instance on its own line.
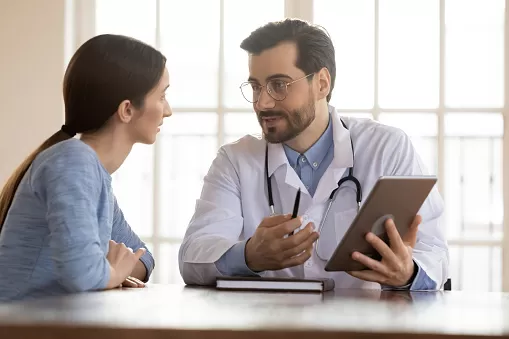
(435, 68)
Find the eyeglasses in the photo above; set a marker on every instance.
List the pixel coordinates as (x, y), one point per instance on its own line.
(276, 88)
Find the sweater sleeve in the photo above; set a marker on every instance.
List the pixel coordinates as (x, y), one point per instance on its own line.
(122, 232)
(70, 185)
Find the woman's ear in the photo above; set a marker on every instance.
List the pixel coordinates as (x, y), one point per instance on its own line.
(323, 78)
(125, 111)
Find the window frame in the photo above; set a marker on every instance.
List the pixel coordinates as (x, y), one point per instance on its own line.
(80, 26)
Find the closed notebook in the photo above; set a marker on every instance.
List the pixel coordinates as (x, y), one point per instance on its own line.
(274, 284)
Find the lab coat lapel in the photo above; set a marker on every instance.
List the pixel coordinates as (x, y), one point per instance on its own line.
(288, 182)
(285, 181)
(280, 167)
(343, 159)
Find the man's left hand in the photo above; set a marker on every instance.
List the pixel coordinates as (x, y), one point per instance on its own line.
(397, 266)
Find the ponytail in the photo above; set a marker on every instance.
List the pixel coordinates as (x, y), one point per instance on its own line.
(11, 186)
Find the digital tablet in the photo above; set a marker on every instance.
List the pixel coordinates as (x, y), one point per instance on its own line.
(397, 197)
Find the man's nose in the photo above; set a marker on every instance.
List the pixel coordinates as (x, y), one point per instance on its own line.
(265, 101)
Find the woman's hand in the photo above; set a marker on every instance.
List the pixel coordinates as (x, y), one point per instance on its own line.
(122, 262)
(133, 282)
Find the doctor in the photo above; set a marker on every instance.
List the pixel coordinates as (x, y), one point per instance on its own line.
(305, 145)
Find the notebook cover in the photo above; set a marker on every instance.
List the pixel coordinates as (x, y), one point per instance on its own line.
(327, 284)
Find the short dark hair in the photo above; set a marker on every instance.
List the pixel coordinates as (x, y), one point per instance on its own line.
(314, 45)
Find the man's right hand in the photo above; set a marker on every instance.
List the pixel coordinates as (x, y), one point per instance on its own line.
(268, 249)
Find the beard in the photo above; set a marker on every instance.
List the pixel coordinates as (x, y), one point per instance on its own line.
(291, 125)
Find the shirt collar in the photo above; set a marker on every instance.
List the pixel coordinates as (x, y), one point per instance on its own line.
(317, 152)
(343, 156)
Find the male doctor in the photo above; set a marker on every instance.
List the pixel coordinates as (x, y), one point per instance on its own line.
(305, 145)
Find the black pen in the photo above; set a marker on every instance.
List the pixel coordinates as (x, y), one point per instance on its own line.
(296, 207)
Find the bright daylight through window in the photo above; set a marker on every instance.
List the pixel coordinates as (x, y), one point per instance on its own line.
(433, 68)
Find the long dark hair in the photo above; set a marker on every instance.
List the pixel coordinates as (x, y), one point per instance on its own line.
(103, 72)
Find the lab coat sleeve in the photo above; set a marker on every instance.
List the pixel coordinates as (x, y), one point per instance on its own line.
(215, 226)
(431, 251)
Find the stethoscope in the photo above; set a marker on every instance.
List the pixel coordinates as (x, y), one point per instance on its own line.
(332, 196)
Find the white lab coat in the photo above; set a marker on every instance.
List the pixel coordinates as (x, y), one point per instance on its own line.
(234, 201)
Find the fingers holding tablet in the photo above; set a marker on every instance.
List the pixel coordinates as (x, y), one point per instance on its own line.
(396, 267)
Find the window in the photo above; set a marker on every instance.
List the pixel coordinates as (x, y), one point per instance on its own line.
(158, 185)
(434, 68)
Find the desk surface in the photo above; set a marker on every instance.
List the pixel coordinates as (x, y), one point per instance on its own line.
(158, 311)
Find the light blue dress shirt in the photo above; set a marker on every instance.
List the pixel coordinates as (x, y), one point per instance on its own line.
(310, 167)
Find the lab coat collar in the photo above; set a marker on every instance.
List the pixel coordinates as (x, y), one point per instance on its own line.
(343, 156)
(277, 157)
(342, 159)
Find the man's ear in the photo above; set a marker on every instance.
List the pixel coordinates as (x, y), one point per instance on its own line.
(125, 111)
(324, 82)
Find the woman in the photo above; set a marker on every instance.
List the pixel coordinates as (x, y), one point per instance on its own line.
(61, 230)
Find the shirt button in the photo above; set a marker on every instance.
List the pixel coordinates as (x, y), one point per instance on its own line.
(303, 159)
(315, 164)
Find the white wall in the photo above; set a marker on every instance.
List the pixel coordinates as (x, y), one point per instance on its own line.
(31, 70)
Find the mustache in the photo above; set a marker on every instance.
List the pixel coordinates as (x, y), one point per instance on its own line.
(271, 114)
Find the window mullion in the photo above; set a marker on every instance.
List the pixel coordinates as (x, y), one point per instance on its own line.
(441, 103)
(505, 156)
(220, 79)
(376, 104)
(156, 167)
(302, 9)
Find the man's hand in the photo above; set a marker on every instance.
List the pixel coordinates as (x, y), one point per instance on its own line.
(267, 249)
(397, 266)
